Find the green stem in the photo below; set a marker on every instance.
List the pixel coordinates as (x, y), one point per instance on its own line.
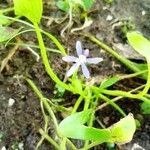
(57, 43)
(44, 100)
(34, 46)
(125, 94)
(147, 86)
(118, 98)
(125, 61)
(49, 139)
(112, 103)
(87, 99)
(46, 120)
(46, 61)
(60, 47)
(71, 145)
(132, 75)
(78, 102)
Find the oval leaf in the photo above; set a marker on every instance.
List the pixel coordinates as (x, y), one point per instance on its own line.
(145, 108)
(109, 82)
(139, 43)
(122, 132)
(31, 9)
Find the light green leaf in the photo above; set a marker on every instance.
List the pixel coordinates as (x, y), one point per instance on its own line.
(31, 9)
(63, 5)
(73, 127)
(109, 82)
(59, 91)
(145, 108)
(7, 33)
(88, 3)
(139, 43)
(122, 132)
(141, 66)
(3, 21)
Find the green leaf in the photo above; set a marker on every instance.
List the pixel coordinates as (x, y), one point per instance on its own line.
(31, 9)
(7, 33)
(141, 66)
(139, 43)
(109, 82)
(122, 132)
(88, 3)
(63, 5)
(3, 21)
(59, 91)
(73, 127)
(145, 108)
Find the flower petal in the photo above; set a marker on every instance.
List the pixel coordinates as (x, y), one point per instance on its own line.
(86, 52)
(69, 58)
(72, 69)
(78, 48)
(85, 71)
(94, 60)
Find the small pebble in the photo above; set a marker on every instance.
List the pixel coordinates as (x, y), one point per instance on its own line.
(137, 147)
(143, 13)
(11, 102)
(20, 146)
(109, 18)
(3, 148)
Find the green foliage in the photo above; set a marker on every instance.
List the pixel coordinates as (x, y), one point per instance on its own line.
(142, 46)
(31, 9)
(139, 43)
(64, 5)
(3, 21)
(73, 127)
(120, 132)
(7, 33)
(123, 131)
(109, 82)
(141, 66)
(76, 84)
(59, 91)
(145, 108)
(88, 4)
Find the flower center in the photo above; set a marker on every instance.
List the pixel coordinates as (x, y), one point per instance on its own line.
(82, 59)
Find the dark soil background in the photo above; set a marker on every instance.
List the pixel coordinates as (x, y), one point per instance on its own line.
(19, 123)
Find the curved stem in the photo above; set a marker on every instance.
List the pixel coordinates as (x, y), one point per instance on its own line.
(112, 103)
(44, 100)
(49, 139)
(57, 43)
(147, 85)
(117, 98)
(46, 61)
(60, 47)
(125, 61)
(125, 94)
(78, 102)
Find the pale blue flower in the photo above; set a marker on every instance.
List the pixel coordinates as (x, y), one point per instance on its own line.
(81, 60)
